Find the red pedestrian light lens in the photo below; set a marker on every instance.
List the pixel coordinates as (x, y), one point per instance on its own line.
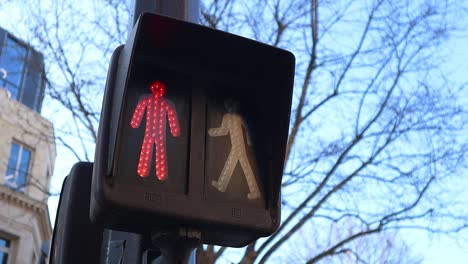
(157, 109)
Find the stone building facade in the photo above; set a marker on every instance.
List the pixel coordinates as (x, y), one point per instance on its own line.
(27, 157)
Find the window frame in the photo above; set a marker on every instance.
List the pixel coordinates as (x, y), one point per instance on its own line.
(22, 148)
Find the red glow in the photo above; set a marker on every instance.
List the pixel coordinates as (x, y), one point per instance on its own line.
(156, 108)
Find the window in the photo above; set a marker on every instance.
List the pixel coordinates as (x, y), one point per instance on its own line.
(4, 250)
(12, 59)
(24, 71)
(18, 167)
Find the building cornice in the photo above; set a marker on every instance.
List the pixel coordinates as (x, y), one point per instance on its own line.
(21, 200)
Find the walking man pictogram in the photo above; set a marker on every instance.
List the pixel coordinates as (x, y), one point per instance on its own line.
(232, 124)
(157, 108)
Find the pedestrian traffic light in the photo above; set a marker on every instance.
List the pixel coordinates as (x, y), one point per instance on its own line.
(193, 133)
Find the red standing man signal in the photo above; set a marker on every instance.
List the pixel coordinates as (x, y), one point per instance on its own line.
(157, 108)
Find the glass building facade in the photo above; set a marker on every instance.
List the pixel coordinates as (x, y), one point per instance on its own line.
(21, 71)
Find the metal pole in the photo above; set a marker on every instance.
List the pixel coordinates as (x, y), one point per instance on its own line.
(176, 246)
(188, 10)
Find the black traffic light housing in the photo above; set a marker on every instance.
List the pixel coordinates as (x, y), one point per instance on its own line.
(71, 241)
(193, 133)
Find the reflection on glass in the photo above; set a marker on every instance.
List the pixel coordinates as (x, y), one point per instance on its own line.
(3, 258)
(12, 59)
(4, 242)
(4, 249)
(31, 88)
(18, 166)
